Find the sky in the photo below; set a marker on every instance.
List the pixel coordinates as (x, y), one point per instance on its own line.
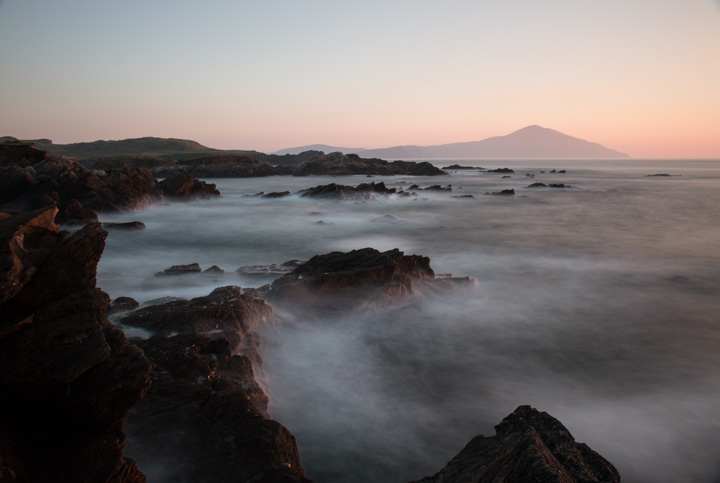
(638, 76)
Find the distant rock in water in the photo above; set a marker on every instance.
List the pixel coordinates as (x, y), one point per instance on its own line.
(185, 186)
(180, 270)
(340, 192)
(662, 175)
(528, 446)
(68, 377)
(510, 192)
(501, 170)
(457, 166)
(356, 279)
(341, 164)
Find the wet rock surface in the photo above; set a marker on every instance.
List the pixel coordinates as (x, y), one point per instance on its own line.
(352, 280)
(185, 186)
(205, 417)
(341, 164)
(334, 191)
(528, 446)
(67, 376)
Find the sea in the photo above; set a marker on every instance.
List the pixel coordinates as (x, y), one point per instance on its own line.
(597, 303)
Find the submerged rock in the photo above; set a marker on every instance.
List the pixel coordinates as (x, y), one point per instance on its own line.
(528, 446)
(510, 192)
(67, 376)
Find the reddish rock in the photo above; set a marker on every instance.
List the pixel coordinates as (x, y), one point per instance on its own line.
(528, 446)
(67, 376)
(185, 186)
(352, 280)
(205, 416)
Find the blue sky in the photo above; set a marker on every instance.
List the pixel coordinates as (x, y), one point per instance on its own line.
(639, 76)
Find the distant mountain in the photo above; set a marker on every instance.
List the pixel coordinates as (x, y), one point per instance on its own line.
(147, 146)
(529, 142)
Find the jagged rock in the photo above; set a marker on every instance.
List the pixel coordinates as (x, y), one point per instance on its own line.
(183, 185)
(205, 416)
(67, 376)
(360, 278)
(180, 270)
(276, 194)
(35, 179)
(501, 170)
(122, 304)
(213, 271)
(528, 446)
(510, 192)
(457, 166)
(341, 164)
(340, 192)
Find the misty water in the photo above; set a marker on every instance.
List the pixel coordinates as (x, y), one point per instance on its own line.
(599, 304)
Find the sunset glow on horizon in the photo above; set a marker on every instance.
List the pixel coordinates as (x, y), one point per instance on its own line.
(639, 77)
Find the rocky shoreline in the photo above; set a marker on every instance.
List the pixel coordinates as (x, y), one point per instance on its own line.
(188, 392)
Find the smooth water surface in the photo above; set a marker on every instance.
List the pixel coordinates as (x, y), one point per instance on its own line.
(599, 304)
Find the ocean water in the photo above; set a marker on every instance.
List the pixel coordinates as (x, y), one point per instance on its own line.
(599, 304)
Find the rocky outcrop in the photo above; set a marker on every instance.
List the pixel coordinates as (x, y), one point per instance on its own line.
(35, 180)
(356, 279)
(341, 164)
(185, 186)
(205, 417)
(528, 446)
(67, 376)
(218, 166)
(364, 191)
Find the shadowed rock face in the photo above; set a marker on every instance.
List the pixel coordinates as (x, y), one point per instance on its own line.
(67, 376)
(205, 416)
(528, 446)
(185, 186)
(343, 281)
(341, 164)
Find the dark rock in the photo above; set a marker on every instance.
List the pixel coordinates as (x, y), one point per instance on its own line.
(130, 225)
(528, 446)
(352, 280)
(457, 166)
(662, 175)
(334, 191)
(205, 416)
(510, 192)
(35, 179)
(559, 185)
(122, 304)
(180, 270)
(214, 270)
(276, 194)
(464, 196)
(437, 187)
(67, 376)
(500, 170)
(340, 164)
(507, 177)
(185, 186)
(537, 185)
(562, 171)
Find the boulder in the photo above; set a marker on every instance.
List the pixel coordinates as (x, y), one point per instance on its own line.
(341, 164)
(185, 186)
(341, 281)
(205, 417)
(365, 191)
(528, 446)
(67, 376)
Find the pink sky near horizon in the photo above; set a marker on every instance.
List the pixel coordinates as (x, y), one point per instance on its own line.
(639, 77)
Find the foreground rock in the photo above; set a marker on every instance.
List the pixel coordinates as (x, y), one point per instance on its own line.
(356, 279)
(67, 376)
(205, 417)
(528, 446)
